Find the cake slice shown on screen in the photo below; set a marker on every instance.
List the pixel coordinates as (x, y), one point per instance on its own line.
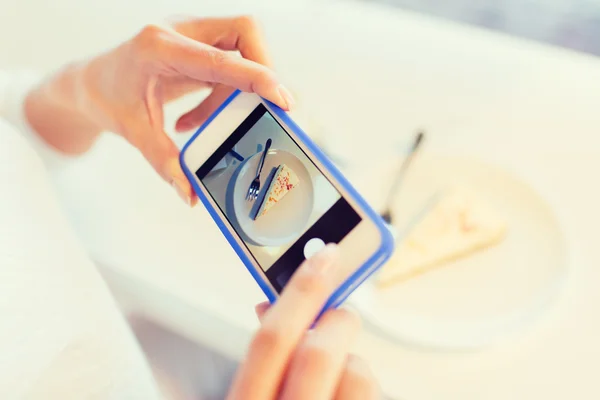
(284, 180)
(458, 225)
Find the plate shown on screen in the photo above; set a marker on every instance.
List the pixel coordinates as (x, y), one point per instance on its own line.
(473, 301)
(288, 218)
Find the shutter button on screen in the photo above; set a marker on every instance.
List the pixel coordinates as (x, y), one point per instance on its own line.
(312, 247)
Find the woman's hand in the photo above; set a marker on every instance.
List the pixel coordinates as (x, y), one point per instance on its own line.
(124, 90)
(287, 361)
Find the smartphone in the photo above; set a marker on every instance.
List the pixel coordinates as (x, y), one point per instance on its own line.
(278, 199)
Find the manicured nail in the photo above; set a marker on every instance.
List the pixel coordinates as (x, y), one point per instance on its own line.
(183, 125)
(286, 96)
(182, 193)
(325, 260)
(261, 309)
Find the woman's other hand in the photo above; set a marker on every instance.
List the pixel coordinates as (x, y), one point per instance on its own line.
(124, 90)
(286, 360)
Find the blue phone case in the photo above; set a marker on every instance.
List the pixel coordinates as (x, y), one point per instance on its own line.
(360, 275)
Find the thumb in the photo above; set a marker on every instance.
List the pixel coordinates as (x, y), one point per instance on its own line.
(163, 155)
(158, 148)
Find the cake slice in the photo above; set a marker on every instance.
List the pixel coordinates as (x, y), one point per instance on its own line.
(284, 180)
(459, 224)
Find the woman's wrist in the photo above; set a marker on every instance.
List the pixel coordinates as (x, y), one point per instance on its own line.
(58, 111)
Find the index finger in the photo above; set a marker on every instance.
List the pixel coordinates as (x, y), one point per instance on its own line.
(284, 325)
(240, 33)
(170, 52)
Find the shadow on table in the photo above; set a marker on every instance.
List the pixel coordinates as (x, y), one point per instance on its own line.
(183, 369)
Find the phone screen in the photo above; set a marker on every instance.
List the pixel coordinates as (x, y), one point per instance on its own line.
(278, 202)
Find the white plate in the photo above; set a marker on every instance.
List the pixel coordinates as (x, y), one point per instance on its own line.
(286, 220)
(472, 302)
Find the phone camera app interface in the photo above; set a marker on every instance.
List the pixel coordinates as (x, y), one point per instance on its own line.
(274, 196)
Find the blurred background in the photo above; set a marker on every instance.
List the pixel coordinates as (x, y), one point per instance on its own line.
(511, 82)
(570, 23)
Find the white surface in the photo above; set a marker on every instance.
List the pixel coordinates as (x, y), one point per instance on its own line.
(61, 335)
(474, 301)
(532, 109)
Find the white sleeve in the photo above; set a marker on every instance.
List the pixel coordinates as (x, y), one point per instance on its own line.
(61, 334)
(14, 87)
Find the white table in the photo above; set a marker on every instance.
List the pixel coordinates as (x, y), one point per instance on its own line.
(377, 76)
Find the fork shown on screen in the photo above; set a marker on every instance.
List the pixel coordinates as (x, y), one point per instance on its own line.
(254, 188)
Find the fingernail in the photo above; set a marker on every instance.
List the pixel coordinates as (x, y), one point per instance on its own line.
(184, 125)
(261, 309)
(325, 260)
(286, 96)
(182, 193)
